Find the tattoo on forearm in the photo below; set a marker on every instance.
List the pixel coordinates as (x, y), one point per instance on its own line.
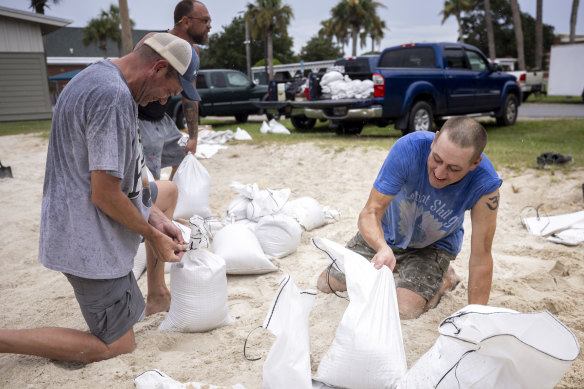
(493, 202)
(191, 111)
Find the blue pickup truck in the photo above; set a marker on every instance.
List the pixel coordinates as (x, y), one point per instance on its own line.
(418, 85)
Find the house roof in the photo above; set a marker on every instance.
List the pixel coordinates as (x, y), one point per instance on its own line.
(47, 23)
(67, 42)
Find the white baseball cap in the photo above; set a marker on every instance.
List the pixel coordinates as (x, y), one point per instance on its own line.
(181, 55)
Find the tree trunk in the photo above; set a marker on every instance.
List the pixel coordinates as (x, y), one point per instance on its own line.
(460, 37)
(354, 36)
(573, 18)
(270, 57)
(126, 27)
(518, 34)
(539, 35)
(490, 33)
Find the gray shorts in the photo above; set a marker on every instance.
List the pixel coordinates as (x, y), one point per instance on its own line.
(110, 307)
(420, 270)
(160, 144)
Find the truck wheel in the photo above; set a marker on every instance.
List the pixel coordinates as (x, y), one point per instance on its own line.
(508, 112)
(353, 128)
(302, 123)
(421, 117)
(526, 96)
(241, 117)
(271, 116)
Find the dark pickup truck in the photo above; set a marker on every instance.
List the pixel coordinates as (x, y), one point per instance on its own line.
(224, 92)
(415, 85)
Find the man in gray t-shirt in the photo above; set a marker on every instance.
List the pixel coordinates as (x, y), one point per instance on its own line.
(96, 203)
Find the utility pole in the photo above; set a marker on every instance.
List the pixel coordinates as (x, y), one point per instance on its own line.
(247, 44)
(127, 44)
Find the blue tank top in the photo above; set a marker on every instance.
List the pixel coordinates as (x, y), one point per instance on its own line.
(421, 215)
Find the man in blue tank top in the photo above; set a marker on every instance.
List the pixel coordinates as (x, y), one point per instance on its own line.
(413, 219)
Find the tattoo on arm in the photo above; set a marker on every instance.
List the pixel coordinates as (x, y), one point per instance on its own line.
(191, 112)
(493, 202)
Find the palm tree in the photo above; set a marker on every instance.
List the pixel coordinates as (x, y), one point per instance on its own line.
(113, 17)
(127, 25)
(352, 15)
(40, 5)
(266, 18)
(333, 29)
(374, 28)
(106, 26)
(518, 33)
(456, 8)
(573, 18)
(538, 35)
(490, 32)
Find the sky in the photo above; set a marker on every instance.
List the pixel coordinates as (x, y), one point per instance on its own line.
(408, 20)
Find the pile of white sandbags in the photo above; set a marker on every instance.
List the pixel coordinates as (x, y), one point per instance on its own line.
(342, 87)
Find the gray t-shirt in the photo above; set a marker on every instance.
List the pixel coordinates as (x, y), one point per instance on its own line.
(94, 128)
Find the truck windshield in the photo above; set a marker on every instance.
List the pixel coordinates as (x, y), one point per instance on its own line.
(408, 57)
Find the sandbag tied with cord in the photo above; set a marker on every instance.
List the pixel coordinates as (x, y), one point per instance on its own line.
(489, 347)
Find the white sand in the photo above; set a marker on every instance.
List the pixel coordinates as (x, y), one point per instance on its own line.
(531, 274)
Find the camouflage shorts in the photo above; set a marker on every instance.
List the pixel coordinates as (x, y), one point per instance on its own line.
(419, 270)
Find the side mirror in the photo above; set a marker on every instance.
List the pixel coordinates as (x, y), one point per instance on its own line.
(495, 67)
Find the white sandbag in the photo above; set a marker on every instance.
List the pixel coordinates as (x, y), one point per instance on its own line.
(277, 128)
(279, 235)
(140, 261)
(198, 286)
(155, 379)
(307, 211)
(237, 208)
(489, 347)
(573, 236)
(264, 128)
(199, 237)
(288, 362)
(241, 134)
(242, 252)
(545, 225)
(266, 202)
(330, 77)
(367, 351)
(193, 182)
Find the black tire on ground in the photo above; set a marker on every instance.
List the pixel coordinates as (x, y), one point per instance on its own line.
(421, 118)
(526, 96)
(302, 123)
(353, 128)
(241, 117)
(508, 112)
(270, 116)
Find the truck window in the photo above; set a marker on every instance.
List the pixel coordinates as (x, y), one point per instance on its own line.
(218, 80)
(235, 79)
(477, 63)
(358, 65)
(201, 81)
(455, 59)
(408, 57)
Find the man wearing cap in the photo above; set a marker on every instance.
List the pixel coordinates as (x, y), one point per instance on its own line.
(160, 135)
(97, 204)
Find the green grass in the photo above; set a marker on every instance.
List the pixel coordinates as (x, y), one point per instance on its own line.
(13, 128)
(514, 147)
(544, 99)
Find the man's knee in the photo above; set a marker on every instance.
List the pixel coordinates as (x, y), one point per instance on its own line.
(411, 305)
(124, 345)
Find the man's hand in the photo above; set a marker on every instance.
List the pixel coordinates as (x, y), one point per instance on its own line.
(168, 245)
(385, 257)
(191, 146)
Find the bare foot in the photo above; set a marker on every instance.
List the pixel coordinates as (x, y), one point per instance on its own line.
(327, 283)
(449, 283)
(157, 303)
